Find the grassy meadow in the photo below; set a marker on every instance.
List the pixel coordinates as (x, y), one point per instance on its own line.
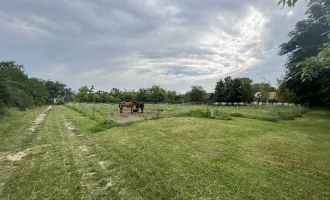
(53, 154)
(99, 112)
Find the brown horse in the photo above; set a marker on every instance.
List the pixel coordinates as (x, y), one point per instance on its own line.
(131, 104)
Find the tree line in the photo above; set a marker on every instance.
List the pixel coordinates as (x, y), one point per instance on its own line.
(226, 90)
(18, 90)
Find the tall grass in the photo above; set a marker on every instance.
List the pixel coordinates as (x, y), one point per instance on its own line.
(99, 112)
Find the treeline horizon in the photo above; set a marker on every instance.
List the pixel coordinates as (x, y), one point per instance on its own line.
(19, 90)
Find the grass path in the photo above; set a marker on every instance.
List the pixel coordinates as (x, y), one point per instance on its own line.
(56, 166)
(170, 158)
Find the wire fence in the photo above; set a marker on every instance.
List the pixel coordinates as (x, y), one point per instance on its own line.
(269, 112)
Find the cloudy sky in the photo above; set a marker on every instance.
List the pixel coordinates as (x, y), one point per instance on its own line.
(130, 44)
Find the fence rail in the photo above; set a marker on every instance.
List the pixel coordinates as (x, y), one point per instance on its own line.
(270, 112)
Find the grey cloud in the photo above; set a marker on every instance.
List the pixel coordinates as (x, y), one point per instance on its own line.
(113, 41)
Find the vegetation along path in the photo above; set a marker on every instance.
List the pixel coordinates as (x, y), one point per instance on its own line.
(52, 154)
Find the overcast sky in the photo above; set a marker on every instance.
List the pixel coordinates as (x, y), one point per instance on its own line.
(130, 44)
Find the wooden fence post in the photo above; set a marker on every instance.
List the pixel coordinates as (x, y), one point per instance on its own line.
(273, 114)
(94, 110)
(109, 112)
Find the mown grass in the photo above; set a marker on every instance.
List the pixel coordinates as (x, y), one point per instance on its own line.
(174, 158)
(185, 158)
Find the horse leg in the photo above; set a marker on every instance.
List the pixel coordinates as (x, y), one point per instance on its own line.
(121, 109)
(132, 109)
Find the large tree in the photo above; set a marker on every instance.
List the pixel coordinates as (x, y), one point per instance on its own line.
(37, 91)
(302, 49)
(82, 95)
(55, 88)
(196, 94)
(14, 86)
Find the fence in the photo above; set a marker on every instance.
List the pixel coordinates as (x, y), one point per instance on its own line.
(270, 112)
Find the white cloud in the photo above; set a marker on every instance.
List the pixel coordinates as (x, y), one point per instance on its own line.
(137, 43)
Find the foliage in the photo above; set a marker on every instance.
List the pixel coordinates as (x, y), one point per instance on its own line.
(262, 91)
(82, 95)
(18, 90)
(55, 88)
(308, 55)
(289, 3)
(38, 91)
(196, 94)
(157, 94)
(284, 93)
(234, 90)
(103, 126)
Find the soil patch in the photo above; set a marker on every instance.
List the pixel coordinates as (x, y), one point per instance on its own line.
(83, 148)
(126, 118)
(69, 125)
(38, 120)
(18, 156)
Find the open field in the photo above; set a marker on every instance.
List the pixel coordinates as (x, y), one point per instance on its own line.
(52, 154)
(99, 112)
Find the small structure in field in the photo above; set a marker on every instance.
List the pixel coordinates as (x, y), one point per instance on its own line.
(131, 104)
(208, 98)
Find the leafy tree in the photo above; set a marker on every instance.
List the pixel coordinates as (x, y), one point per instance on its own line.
(82, 95)
(196, 94)
(143, 95)
(157, 94)
(307, 66)
(172, 97)
(14, 85)
(115, 92)
(247, 89)
(220, 91)
(55, 88)
(37, 91)
(285, 95)
(128, 96)
(234, 90)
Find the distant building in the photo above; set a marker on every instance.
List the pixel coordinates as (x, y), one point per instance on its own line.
(272, 96)
(208, 97)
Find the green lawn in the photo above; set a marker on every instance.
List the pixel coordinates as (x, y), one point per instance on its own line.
(168, 158)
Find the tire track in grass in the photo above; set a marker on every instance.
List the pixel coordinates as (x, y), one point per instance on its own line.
(56, 172)
(102, 170)
(18, 142)
(93, 171)
(18, 156)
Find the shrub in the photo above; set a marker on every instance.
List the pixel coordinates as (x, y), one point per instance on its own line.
(104, 126)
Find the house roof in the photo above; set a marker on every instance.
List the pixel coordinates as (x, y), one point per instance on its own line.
(208, 96)
(272, 95)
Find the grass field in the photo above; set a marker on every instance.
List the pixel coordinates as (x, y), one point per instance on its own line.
(99, 112)
(52, 154)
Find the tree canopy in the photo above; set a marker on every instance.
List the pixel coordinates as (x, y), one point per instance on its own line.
(18, 90)
(308, 50)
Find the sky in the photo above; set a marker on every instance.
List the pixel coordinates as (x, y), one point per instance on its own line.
(129, 44)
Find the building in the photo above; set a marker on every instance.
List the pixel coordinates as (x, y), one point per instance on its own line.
(208, 98)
